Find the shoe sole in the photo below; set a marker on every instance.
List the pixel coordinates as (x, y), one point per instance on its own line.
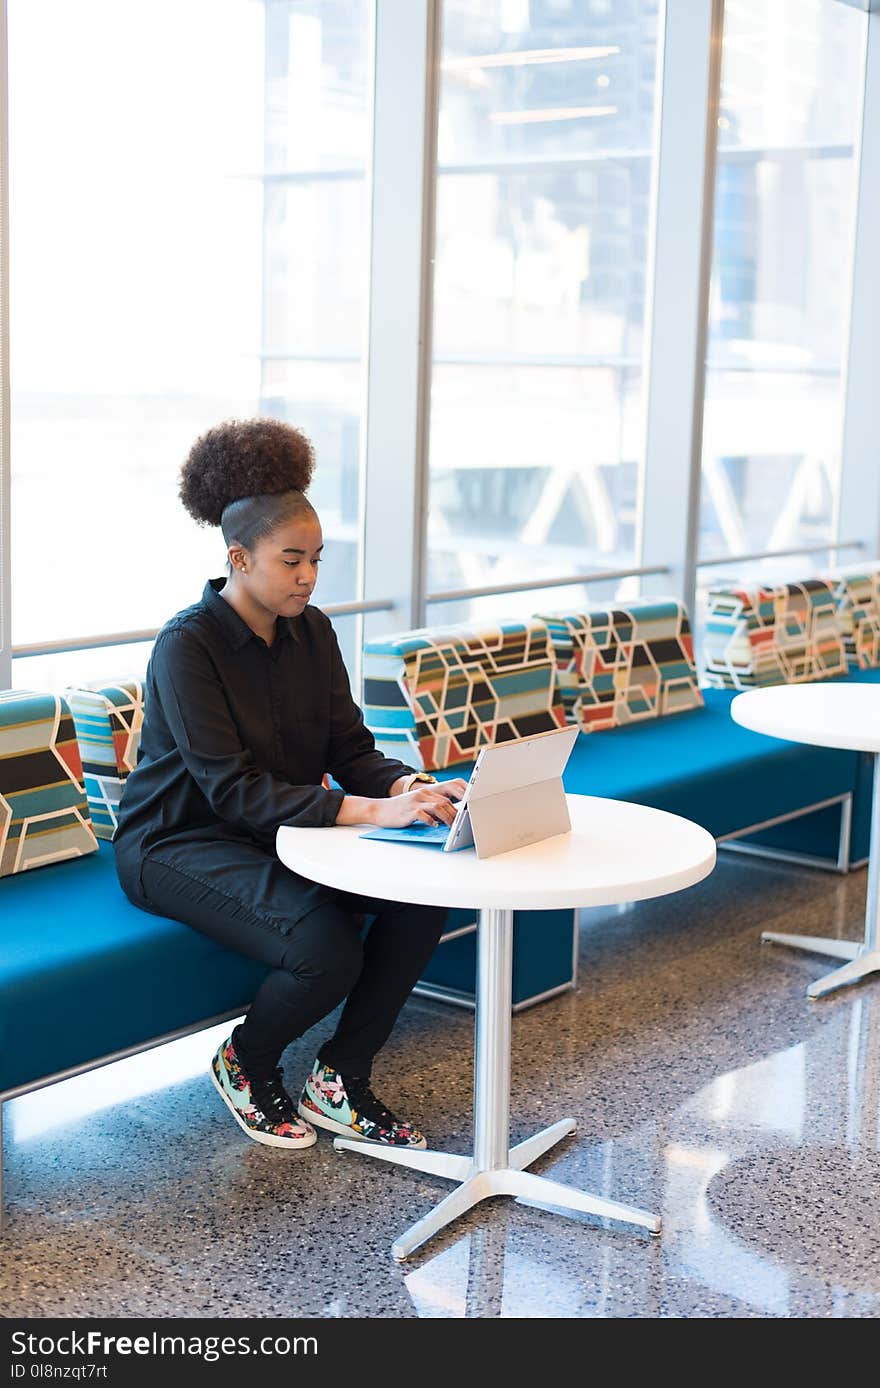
(267, 1139)
(319, 1120)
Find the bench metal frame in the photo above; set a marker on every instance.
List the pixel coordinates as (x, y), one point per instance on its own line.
(840, 864)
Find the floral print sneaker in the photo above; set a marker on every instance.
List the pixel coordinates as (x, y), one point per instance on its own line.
(350, 1108)
(261, 1108)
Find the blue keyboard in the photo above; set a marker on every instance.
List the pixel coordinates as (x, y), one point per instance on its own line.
(429, 835)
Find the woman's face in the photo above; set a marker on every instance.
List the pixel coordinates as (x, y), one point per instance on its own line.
(282, 568)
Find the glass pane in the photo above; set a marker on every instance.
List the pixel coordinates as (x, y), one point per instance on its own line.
(106, 663)
(792, 76)
(317, 76)
(544, 265)
(315, 271)
(545, 165)
(771, 460)
(325, 401)
(159, 280)
(546, 81)
(541, 473)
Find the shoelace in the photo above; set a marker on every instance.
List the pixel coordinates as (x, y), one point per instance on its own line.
(364, 1101)
(273, 1099)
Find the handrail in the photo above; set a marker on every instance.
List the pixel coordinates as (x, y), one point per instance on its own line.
(458, 594)
(779, 553)
(130, 638)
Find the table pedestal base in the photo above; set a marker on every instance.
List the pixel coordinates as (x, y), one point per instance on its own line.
(495, 1168)
(477, 1185)
(862, 960)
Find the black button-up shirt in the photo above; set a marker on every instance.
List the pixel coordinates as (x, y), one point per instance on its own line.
(237, 735)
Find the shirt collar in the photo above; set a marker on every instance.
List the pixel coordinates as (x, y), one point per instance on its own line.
(235, 627)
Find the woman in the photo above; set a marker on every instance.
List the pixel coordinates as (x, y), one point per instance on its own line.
(247, 704)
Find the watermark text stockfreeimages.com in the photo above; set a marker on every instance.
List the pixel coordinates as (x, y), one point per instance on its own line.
(96, 1344)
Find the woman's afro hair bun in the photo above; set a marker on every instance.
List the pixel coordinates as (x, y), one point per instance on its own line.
(243, 458)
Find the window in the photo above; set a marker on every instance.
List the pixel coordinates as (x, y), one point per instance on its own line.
(544, 153)
(188, 244)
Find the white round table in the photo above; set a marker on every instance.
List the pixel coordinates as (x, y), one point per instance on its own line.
(614, 852)
(840, 715)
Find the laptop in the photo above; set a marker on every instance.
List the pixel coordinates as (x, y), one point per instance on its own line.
(514, 797)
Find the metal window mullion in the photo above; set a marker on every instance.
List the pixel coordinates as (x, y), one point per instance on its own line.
(402, 175)
(5, 459)
(679, 272)
(858, 505)
(422, 481)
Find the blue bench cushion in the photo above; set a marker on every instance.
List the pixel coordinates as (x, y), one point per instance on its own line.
(706, 767)
(84, 973)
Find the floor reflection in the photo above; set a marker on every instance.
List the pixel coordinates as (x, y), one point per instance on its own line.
(509, 1268)
(785, 1204)
(769, 1186)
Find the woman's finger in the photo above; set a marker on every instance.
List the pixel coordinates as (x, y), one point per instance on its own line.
(451, 789)
(441, 812)
(435, 804)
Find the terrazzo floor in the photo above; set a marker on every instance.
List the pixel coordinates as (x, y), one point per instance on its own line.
(706, 1088)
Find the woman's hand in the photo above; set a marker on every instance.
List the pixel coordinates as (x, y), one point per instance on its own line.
(426, 804)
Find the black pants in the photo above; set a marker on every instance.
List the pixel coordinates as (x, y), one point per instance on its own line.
(318, 958)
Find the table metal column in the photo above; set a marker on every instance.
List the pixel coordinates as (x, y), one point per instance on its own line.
(492, 1041)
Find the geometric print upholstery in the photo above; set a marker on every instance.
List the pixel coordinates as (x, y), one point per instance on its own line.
(434, 696)
(108, 719)
(857, 594)
(785, 634)
(621, 665)
(44, 814)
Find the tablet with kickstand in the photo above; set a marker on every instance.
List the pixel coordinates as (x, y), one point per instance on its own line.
(514, 797)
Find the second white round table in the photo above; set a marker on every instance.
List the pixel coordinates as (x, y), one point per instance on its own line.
(844, 715)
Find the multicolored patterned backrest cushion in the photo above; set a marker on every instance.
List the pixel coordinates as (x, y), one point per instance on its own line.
(435, 696)
(781, 635)
(621, 665)
(857, 595)
(108, 720)
(44, 814)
